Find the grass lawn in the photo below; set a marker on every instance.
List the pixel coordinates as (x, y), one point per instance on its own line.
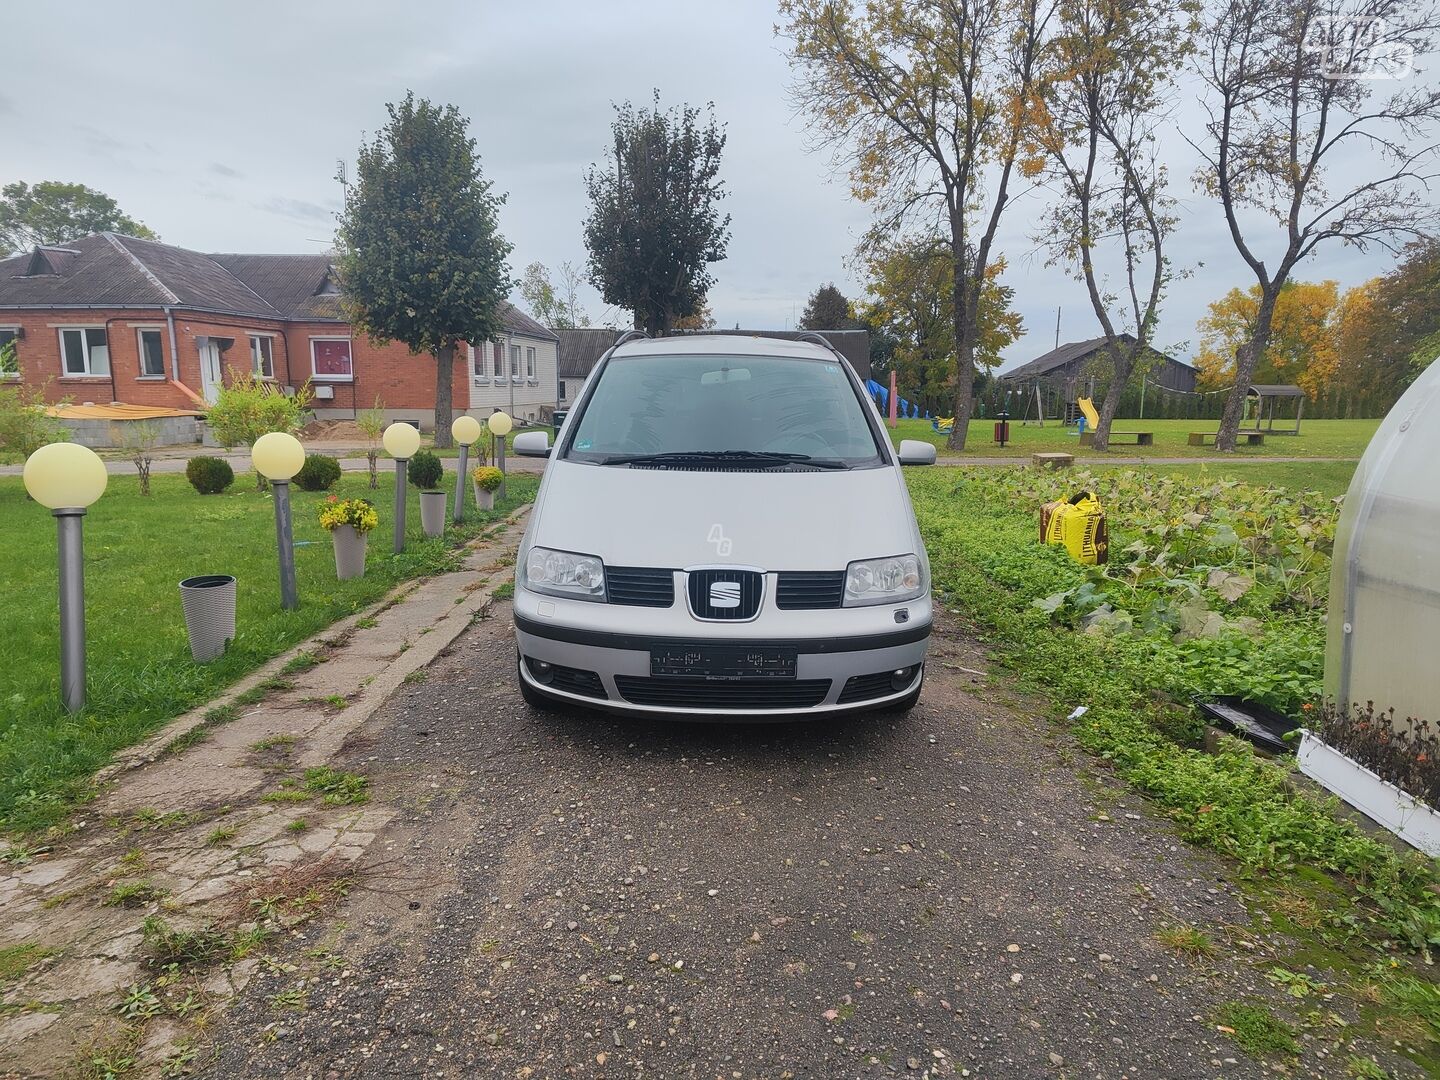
(140, 672)
(1330, 478)
(1318, 438)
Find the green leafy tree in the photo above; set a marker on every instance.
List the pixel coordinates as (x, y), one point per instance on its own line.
(655, 225)
(912, 293)
(421, 257)
(538, 293)
(371, 423)
(827, 309)
(53, 212)
(247, 408)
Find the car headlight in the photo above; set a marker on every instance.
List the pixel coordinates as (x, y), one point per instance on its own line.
(883, 581)
(564, 573)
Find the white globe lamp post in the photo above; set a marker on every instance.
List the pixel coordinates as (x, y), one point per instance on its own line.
(66, 479)
(500, 425)
(278, 456)
(466, 430)
(400, 441)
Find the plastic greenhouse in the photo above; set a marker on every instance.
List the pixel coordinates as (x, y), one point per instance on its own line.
(1383, 629)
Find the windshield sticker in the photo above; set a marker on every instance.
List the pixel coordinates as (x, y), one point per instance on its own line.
(583, 444)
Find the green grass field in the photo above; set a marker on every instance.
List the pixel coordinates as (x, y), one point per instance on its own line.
(1329, 478)
(140, 672)
(1318, 439)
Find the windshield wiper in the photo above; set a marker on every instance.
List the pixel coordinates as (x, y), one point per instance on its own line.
(681, 457)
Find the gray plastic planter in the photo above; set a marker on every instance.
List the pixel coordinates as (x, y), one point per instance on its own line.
(209, 603)
(432, 512)
(349, 552)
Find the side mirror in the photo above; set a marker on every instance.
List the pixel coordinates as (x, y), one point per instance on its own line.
(536, 444)
(915, 452)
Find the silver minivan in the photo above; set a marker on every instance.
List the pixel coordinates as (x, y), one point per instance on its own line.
(723, 530)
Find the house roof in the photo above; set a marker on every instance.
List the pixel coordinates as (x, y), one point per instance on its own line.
(111, 270)
(1067, 354)
(579, 349)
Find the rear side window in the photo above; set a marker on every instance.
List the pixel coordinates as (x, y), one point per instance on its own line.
(678, 404)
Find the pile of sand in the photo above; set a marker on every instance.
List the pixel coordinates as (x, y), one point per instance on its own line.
(331, 431)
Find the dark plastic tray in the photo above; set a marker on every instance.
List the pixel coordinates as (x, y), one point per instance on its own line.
(1262, 726)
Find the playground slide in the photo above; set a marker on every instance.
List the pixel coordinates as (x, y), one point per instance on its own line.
(1092, 418)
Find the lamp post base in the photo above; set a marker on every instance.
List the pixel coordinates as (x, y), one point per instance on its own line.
(400, 468)
(458, 515)
(285, 543)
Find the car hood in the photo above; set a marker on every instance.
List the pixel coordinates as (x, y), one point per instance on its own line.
(772, 520)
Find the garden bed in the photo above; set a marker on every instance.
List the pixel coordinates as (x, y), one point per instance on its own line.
(1214, 588)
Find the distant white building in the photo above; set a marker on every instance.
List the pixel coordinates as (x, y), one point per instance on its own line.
(516, 372)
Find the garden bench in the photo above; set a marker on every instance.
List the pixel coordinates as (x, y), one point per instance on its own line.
(1140, 438)
(1052, 461)
(1250, 438)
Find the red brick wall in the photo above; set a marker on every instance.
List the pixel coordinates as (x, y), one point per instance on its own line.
(388, 372)
(402, 381)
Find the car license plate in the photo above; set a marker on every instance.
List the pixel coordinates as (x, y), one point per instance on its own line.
(715, 662)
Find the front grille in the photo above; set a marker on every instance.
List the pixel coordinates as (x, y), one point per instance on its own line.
(721, 693)
(640, 586)
(573, 680)
(866, 687)
(700, 584)
(797, 589)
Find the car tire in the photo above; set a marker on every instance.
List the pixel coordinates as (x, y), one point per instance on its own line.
(534, 698)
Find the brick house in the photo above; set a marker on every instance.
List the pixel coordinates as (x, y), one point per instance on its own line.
(110, 318)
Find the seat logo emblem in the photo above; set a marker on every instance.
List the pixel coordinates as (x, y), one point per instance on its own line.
(724, 594)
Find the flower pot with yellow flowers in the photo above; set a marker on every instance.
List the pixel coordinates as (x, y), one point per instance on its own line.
(486, 480)
(349, 522)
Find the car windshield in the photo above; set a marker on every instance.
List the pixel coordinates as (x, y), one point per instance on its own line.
(717, 406)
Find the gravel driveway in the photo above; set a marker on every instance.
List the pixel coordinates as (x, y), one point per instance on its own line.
(566, 894)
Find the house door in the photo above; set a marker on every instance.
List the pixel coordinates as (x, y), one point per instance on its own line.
(209, 370)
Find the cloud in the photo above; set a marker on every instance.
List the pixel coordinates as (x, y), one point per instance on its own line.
(221, 169)
(6, 105)
(298, 209)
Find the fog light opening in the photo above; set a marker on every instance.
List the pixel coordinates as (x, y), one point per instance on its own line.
(900, 678)
(541, 670)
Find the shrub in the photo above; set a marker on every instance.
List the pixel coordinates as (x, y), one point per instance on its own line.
(357, 513)
(319, 473)
(24, 424)
(426, 471)
(487, 477)
(247, 409)
(371, 423)
(209, 475)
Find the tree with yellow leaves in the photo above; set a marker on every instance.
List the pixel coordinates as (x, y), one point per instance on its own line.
(1303, 346)
(926, 102)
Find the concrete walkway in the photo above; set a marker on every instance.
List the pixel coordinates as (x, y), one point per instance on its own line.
(225, 829)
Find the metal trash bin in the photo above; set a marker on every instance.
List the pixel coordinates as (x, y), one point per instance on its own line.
(209, 603)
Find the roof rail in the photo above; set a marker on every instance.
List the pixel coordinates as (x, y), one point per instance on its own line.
(629, 335)
(817, 338)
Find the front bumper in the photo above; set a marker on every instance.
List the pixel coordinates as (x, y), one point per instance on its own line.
(830, 676)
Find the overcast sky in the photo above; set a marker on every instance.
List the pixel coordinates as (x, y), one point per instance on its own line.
(220, 127)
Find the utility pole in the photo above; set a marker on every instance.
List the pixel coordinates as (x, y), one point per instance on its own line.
(1057, 326)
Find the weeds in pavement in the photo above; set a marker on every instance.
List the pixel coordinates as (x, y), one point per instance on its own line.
(1256, 1029)
(419, 675)
(295, 892)
(1186, 940)
(166, 945)
(16, 960)
(299, 825)
(133, 894)
(220, 834)
(337, 788)
(301, 662)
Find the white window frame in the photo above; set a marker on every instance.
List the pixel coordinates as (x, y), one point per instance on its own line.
(498, 352)
(89, 372)
(530, 364)
(255, 362)
(9, 375)
(332, 378)
(515, 363)
(140, 332)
